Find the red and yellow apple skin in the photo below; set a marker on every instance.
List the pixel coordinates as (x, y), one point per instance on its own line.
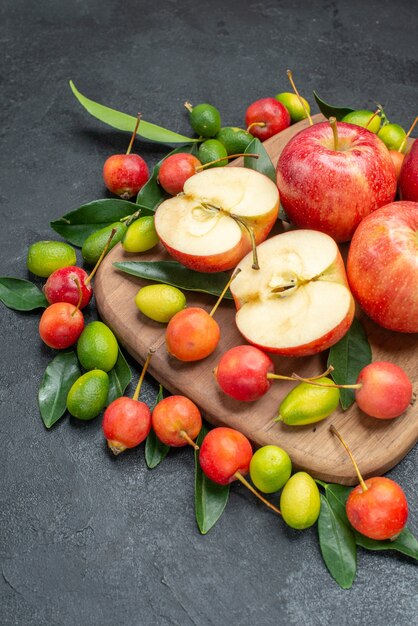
(408, 178)
(381, 511)
(333, 190)
(382, 266)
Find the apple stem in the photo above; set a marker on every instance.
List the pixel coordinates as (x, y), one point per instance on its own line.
(133, 134)
(402, 146)
(333, 122)
(360, 477)
(243, 223)
(262, 124)
(230, 156)
(188, 106)
(225, 289)
(189, 440)
(100, 259)
(373, 116)
(141, 378)
(290, 77)
(80, 296)
(245, 482)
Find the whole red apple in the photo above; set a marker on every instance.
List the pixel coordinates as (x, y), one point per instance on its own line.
(331, 184)
(382, 266)
(266, 117)
(408, 178)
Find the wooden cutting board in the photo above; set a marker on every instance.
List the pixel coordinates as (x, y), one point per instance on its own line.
(377, 445)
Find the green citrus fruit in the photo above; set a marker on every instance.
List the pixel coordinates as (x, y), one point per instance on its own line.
(363, 118)
(306, 403)
(205, 120)
(140, 235)
(235, 140)
(392, 136)
(270, 468)
(293, 105)
(300, 501)
(88, 395)
(94, 245)
(211, 150)
(160, 302)
(44, 257)
(97, 347)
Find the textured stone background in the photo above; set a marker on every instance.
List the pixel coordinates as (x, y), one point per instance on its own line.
(91, 540)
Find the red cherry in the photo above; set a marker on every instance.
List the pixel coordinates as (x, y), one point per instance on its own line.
(60, 325)
(386, 390)
(223, 453)
(61, 286)
(126, 423)
(125, 174)
(175, 170)
(269, 112)
(379, 512)
(242, 373)
(176, 421)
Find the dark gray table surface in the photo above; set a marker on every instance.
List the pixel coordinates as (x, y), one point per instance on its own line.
(87, 539)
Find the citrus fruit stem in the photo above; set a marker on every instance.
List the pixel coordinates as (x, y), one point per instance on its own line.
(245, 482)
(141, 378)
(133, 134)
(360, 477)
(188, 106)
(292, 82)
(100, 259)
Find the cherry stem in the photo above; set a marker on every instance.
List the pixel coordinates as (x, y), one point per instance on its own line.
(141, 378)
(292, 82)
(372, 117)
(80, 296)
(262, 124)
(128, 219)
(225, 289)
(230, 156)
(333, 122)
(360, 477)
(243, 223)
(245, 482)
(311, 382)
(189, 440)
(188, 106)
(402, 146)
(101, 257)
(133, 134)
(306, 380)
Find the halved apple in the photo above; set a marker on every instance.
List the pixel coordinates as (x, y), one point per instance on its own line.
(207, 227)
(299, 302)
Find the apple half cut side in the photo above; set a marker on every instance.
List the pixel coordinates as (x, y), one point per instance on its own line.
(198, 228)
(299, 302)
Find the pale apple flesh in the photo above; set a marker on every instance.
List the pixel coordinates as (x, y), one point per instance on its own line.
(196, 227)
(333, 190)
(382, 266)
(299, 302)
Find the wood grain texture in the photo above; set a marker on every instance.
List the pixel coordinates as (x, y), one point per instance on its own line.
(377, 445)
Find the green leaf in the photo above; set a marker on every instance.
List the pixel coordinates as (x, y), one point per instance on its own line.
(331, 111)
(338, 546)
(405, 543)
(122, 121)
(77, 225)
(152, 194)
(21, 295)
(210, 498)
(348, 357)
(56, 382)
(337, 497)
(263, 164)
(155, 450)
(119, 378)
(172, 273)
